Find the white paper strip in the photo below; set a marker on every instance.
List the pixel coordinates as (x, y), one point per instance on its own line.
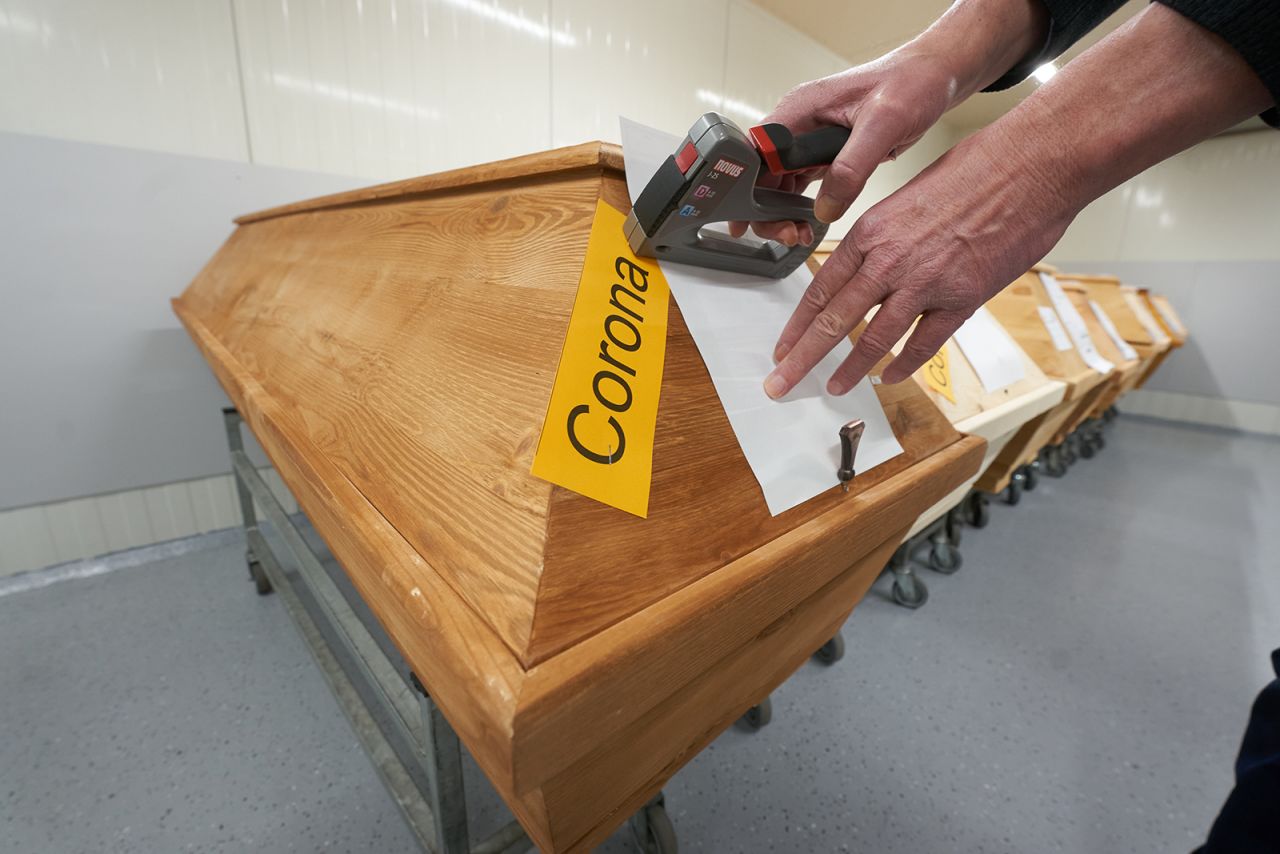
(1075, 325)
(1169, 319)
(1125, 348)
(1139, 308)
(792, 445)
(988, 348)
(1049, 317)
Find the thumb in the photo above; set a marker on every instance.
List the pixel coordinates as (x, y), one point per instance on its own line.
(870, 142)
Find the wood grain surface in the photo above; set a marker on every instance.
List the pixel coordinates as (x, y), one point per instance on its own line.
(393, 350)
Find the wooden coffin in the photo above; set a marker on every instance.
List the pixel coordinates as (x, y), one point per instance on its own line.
(393, 349)
(1127, 372)
(1017, 308)
(995, 416)
(1166, 316)
(1107, 292)
(1133, 320)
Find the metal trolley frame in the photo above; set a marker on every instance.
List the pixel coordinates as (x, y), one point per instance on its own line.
(414, 749)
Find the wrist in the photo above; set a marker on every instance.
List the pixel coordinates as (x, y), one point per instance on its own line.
(978, 41)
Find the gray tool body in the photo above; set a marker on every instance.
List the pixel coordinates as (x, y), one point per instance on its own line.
(712, 178)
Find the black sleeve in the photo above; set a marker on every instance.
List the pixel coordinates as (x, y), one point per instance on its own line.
(1069, 21)
(1252, 27)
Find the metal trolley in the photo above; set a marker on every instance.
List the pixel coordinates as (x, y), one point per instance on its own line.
(414, 749)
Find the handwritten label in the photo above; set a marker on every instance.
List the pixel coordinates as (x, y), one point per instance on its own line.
(597, 438)
(937, 375)
(1059, 335)
(1075, 325)
(1125, 348)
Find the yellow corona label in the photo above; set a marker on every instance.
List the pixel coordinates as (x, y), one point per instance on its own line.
(597, 438)
(937, 373)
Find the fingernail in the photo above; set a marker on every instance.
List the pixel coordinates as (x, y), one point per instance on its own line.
(827, 209)
(775, 386)
(836, 388)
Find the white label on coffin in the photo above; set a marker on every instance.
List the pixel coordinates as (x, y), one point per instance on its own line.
(1075, 325)
(1169, 319)
(1148, 322)
(1061, 340)
(987, 347)
(792, 445)
(1125, 348)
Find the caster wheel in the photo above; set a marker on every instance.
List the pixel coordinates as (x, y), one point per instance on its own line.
(1029, 477)
(912, 594)
(1087, 450)
(976, 513)
(259, 576)
(1099, 441)
(758, 716)
(954, 528)
(944, 558)
(1013, 492)
(659, 834)
(1055, 461)
(831, 651)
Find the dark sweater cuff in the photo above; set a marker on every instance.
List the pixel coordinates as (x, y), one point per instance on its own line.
(1252, 28)
(1069, 21)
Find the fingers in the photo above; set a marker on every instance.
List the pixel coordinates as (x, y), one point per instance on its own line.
(927, 339)
(891, 322)
(834, 275)
(827, 328)
(806, 234)
(785, 232)
(872, 138)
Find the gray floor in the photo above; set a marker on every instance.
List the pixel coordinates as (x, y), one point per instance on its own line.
(1080, 685)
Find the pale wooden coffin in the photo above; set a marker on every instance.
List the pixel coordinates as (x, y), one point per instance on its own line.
(1017, 308)
(1133, 319)
(393, 350)
(1128, 371)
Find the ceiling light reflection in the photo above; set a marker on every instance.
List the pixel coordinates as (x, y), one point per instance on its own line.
(513, 20)
(732, 105)
(364, 99)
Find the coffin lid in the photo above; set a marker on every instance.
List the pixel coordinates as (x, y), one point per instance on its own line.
(1078, 290)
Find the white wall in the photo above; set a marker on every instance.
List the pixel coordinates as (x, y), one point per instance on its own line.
(1204, 228)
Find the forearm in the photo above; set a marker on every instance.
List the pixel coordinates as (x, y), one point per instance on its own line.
(1155, 87)
(980, 40)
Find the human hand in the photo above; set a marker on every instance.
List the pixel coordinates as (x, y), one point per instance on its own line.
(936, 249)
(888, 104)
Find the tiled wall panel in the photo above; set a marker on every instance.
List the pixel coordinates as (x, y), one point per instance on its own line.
(152, 74)
(45, 534)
